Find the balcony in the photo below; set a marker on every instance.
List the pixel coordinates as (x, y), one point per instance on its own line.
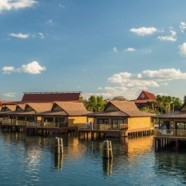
(104, 127)
(171, 133)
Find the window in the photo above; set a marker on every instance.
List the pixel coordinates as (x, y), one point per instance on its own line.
(103, 121)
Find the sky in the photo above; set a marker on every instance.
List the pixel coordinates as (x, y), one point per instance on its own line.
(99, 47)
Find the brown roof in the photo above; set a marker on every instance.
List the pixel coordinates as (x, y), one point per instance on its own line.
(109, 113)
(10, 107)
(127, 107)
(21, 106)
(148, 96)
(143, 101)
(23, 113)
(73, 108)
(52, 113)
(50, 96)
(175, 114)
(39, 107)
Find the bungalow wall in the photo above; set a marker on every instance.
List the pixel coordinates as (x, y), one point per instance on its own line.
(135, 123)
(77, 120)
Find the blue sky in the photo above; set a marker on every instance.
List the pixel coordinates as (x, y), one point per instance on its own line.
(101, 47)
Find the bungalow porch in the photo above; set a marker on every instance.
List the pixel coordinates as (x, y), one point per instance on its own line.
(170, 128)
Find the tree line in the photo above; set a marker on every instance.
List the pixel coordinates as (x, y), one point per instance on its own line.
(164, 104)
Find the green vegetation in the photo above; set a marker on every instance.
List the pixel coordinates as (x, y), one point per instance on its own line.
(164, 104)
(95, 103)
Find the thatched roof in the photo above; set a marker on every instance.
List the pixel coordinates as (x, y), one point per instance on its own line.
(9, 107)
(171, 115)
(121, 108)
(54, 113)
(72, 108)
(20, 106)
(129, 107)
(108, 114)
(39, 107)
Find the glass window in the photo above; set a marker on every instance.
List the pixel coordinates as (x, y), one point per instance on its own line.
(102, 121)
(117, 121)
(181, 125)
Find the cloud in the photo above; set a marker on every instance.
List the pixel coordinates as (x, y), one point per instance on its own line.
(130, 84)
(171, 37)
(20, 35)
(182, 49)
(118, 78)
(10, 94)
(8, 69)
(115, 49)
(132, 80)
(31, 68)
(143, 31)
(164, 74)
(182, 26)
(6, 5)
(130, 50)
(41, 35)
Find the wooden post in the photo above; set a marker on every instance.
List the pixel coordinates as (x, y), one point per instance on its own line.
(107, 149)
(59, 145)
(177, 145)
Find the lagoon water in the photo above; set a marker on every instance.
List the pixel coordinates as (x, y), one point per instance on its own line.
(26, 161)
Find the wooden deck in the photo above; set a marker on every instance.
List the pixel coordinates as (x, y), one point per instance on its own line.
(83, 130)
(97, 133)
(38, 129)
(164, 138)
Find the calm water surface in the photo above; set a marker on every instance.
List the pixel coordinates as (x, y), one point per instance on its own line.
(31, 161)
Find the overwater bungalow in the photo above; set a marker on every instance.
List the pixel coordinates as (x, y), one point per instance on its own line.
(171, 128)
(53, 114)
(173, 120)
(45, 108)
(123, 115)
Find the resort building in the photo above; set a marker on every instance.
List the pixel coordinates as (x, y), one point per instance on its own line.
(173, 120)
(41, 97)
(123, 115)
(171, 129)
(145, 100)
(45, 109)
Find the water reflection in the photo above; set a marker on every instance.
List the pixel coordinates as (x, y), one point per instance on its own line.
(107, 166)
(171, 164)
(58, 161)
(32, 161)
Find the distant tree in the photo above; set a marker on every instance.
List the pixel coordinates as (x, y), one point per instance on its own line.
(95, 103)
(100, 103)
(184, 99)
(167, 104)
(120, 98)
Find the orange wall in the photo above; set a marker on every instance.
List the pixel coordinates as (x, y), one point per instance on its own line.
(139, 123)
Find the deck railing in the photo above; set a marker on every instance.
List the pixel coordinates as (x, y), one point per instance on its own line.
(103, 126)
(170, 132)
(32, 123)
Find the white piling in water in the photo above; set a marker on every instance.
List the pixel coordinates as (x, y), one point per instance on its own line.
(107, 149)
(58, 145)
